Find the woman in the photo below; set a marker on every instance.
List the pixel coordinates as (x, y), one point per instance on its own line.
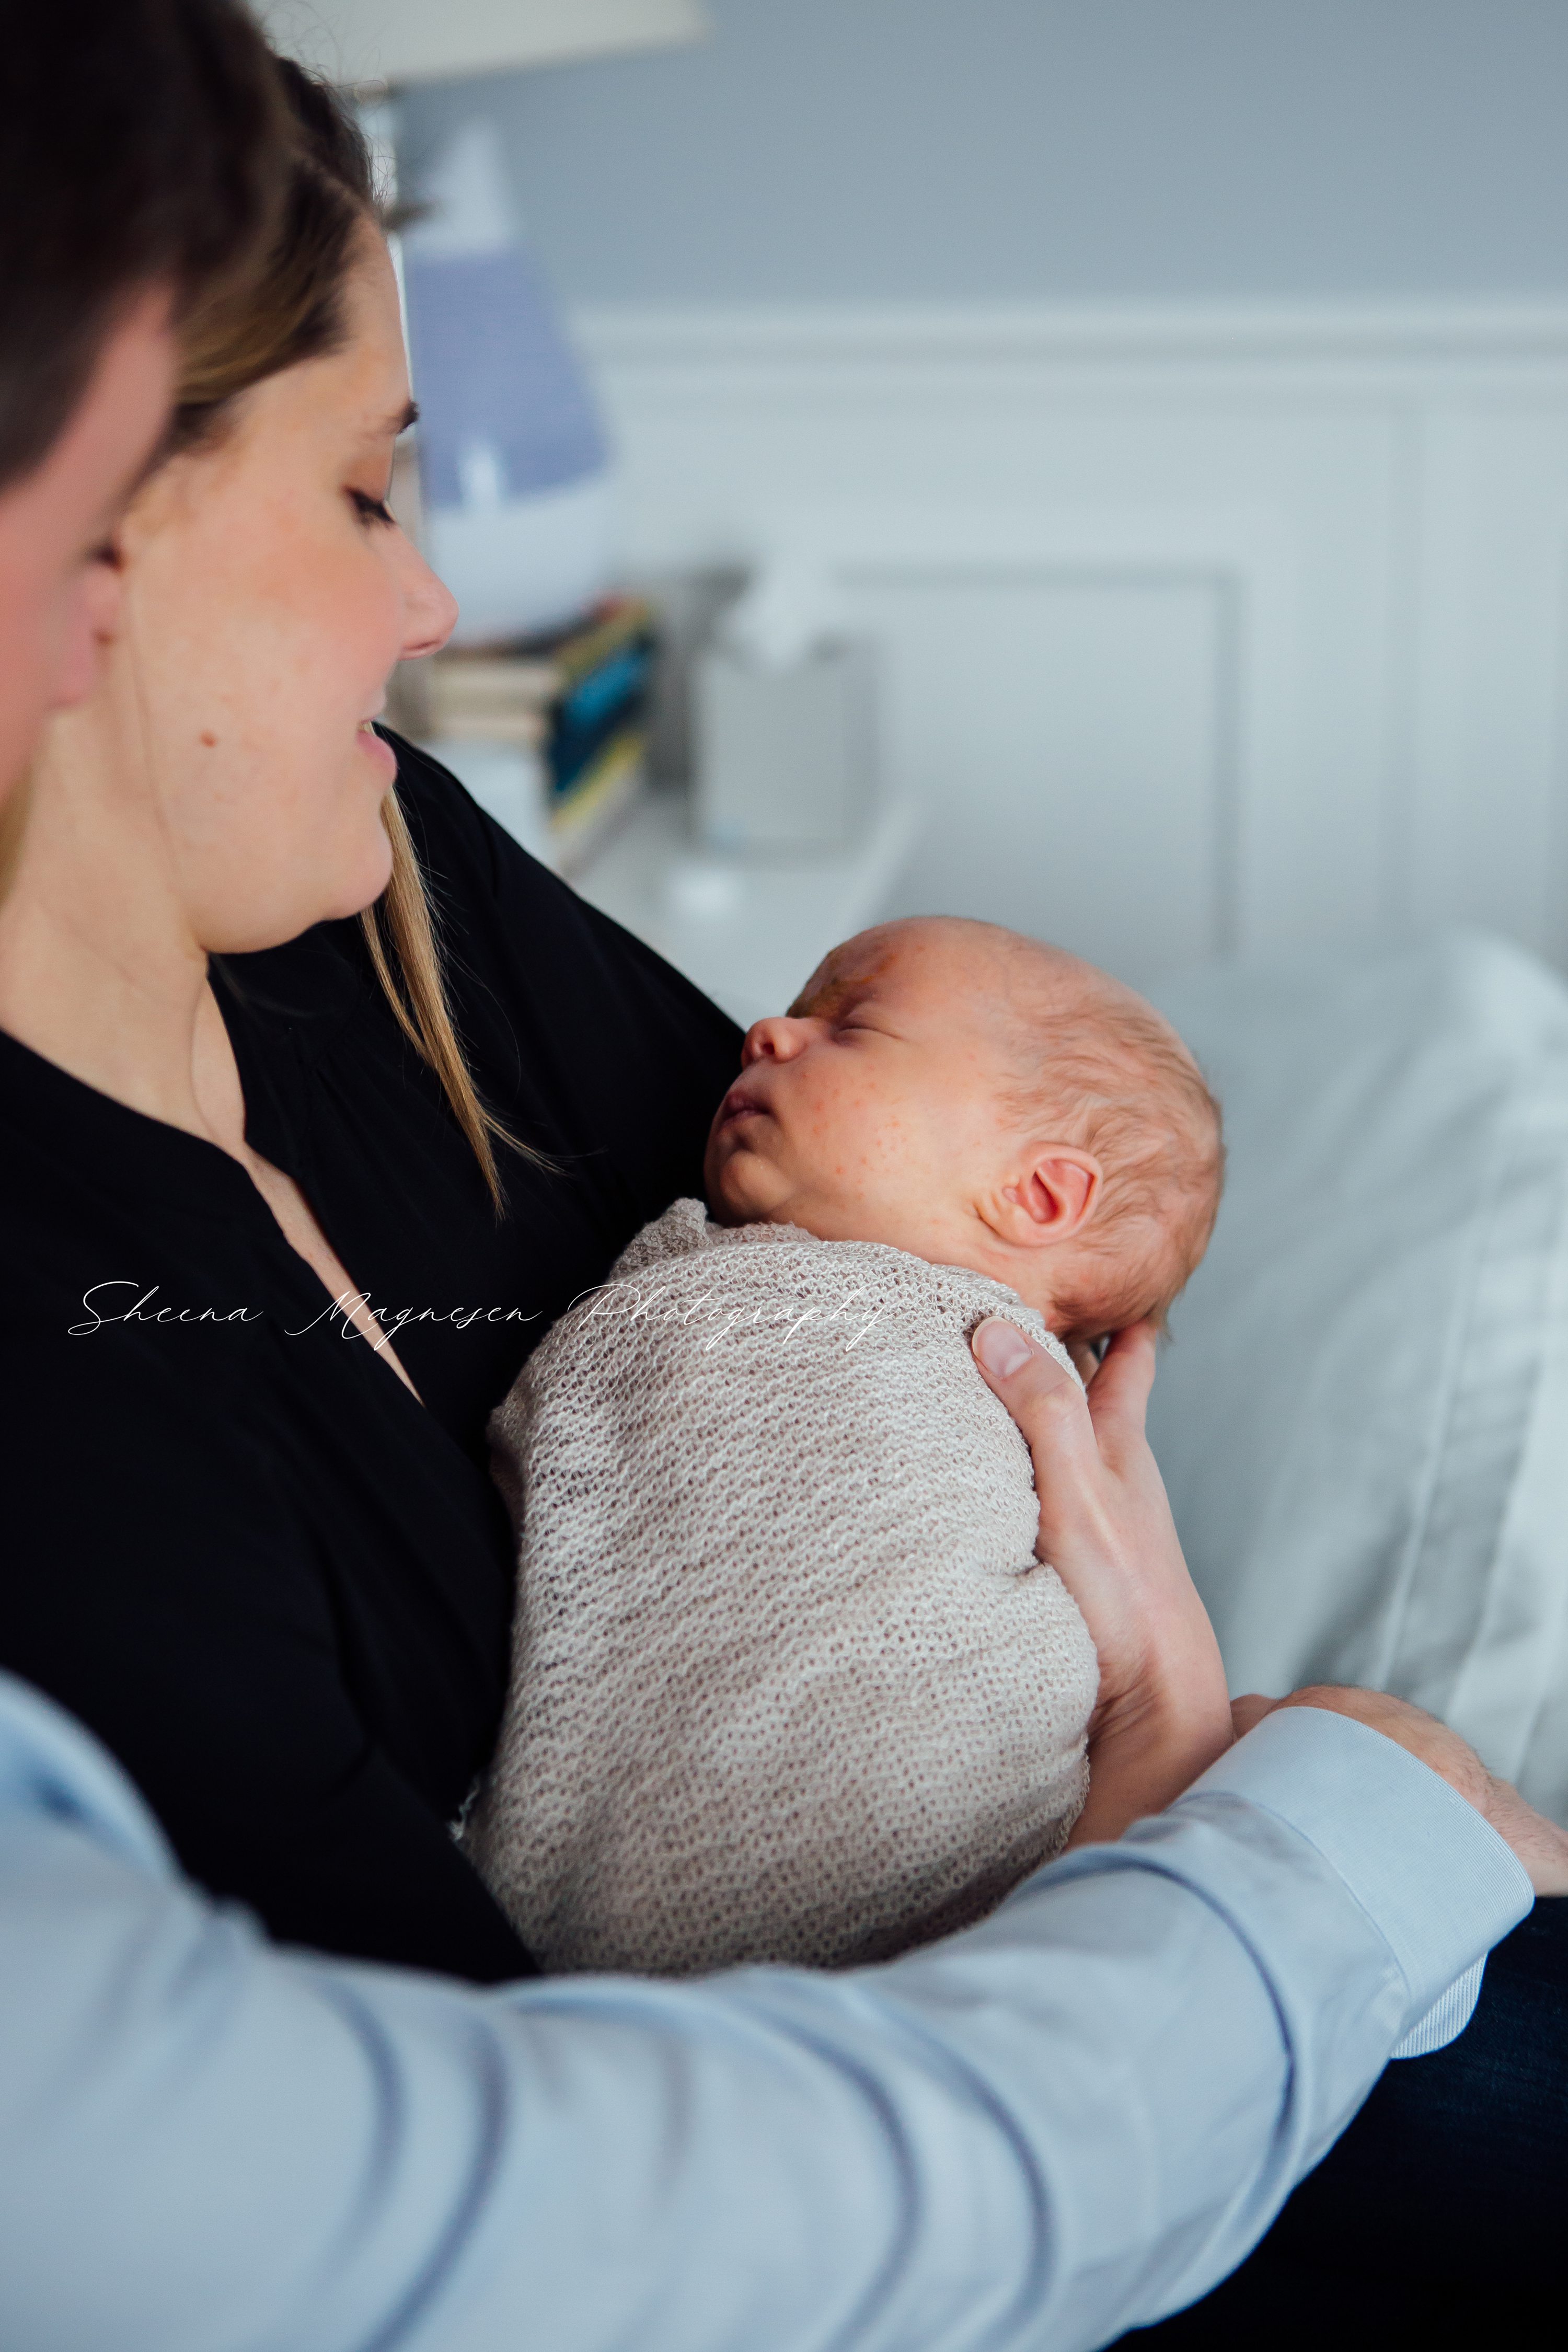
(260, 1558)
(267, 1566)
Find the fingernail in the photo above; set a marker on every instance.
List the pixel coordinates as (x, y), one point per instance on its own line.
(1000, 1347)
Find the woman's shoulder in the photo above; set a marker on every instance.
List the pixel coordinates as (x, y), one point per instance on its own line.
(469, 860)
(495, 901)
(453, 835)
(479, 880)
(521, 952)
(539, 975)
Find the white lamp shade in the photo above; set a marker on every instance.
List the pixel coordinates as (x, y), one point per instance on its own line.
(423, 40)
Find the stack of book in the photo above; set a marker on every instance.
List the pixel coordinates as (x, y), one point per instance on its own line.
(576, 700)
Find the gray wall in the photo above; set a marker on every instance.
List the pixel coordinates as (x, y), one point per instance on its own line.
(941, 150)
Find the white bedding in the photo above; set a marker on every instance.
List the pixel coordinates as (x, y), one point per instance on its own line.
(1363, 1415)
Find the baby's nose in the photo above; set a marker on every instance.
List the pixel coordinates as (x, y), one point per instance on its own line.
(777, 1039)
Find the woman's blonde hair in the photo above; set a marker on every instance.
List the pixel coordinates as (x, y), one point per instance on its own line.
(289, 311)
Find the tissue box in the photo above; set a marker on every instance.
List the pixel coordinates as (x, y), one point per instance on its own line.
(785, 757)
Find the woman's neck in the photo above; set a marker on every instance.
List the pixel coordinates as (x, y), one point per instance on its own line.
(100, 969)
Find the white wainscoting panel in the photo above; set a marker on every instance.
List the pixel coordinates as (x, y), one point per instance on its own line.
(1055, 715)
(1202, 630)
(1493, 687)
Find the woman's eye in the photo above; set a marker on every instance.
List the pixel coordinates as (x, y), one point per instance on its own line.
(371, 510)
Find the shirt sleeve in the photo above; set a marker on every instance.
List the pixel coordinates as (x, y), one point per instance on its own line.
(1323, 1802)
(1064, 2122)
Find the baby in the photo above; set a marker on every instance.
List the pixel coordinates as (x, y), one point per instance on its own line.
(789, 1682)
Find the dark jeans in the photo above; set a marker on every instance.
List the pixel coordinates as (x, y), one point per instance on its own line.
(1443, 2208)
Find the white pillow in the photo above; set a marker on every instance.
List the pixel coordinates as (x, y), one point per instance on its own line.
(1362, 1417)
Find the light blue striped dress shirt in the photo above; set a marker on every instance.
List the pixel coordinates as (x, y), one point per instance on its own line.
(1069, 2120)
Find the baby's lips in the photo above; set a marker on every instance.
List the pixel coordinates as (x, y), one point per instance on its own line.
(736, 1103)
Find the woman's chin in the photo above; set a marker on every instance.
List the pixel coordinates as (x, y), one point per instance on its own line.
(288, 919)
(362, 875)
(364, 892)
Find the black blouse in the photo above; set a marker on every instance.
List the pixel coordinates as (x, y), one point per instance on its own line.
(277, 1587)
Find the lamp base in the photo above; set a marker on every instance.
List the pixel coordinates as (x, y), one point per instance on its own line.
(525, 565)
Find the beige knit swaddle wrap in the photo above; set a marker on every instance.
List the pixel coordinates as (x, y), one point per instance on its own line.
(788, 1683)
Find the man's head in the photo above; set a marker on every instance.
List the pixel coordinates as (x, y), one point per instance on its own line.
(138, 149)
(981, 1100)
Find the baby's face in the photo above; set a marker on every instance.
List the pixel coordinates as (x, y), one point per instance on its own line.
(872, 1111)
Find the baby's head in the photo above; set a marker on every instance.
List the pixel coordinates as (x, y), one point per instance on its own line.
(980, 1100)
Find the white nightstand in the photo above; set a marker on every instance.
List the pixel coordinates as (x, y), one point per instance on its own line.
(749, 933)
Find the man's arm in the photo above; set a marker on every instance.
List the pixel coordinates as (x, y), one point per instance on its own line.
(1064, 2122)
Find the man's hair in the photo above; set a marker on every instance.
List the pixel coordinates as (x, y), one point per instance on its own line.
(139, 144)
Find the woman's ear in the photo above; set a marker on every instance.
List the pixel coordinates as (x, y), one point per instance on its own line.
(1049, 1197)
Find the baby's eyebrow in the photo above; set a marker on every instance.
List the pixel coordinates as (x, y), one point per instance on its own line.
(830, 996)
(830, 988)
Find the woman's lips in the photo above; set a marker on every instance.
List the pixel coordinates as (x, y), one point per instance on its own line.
(375, 747)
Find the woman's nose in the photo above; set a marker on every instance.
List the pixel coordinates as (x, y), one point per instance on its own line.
(430, 609)
(778, 1039)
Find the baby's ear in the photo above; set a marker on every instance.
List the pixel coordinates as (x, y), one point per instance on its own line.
(1049, 1196)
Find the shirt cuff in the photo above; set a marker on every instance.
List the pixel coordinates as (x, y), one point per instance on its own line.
(1447, 2019)
(1439, 1882)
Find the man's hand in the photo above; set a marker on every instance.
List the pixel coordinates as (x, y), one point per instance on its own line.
(1538, 1843)
(1162, 1713)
